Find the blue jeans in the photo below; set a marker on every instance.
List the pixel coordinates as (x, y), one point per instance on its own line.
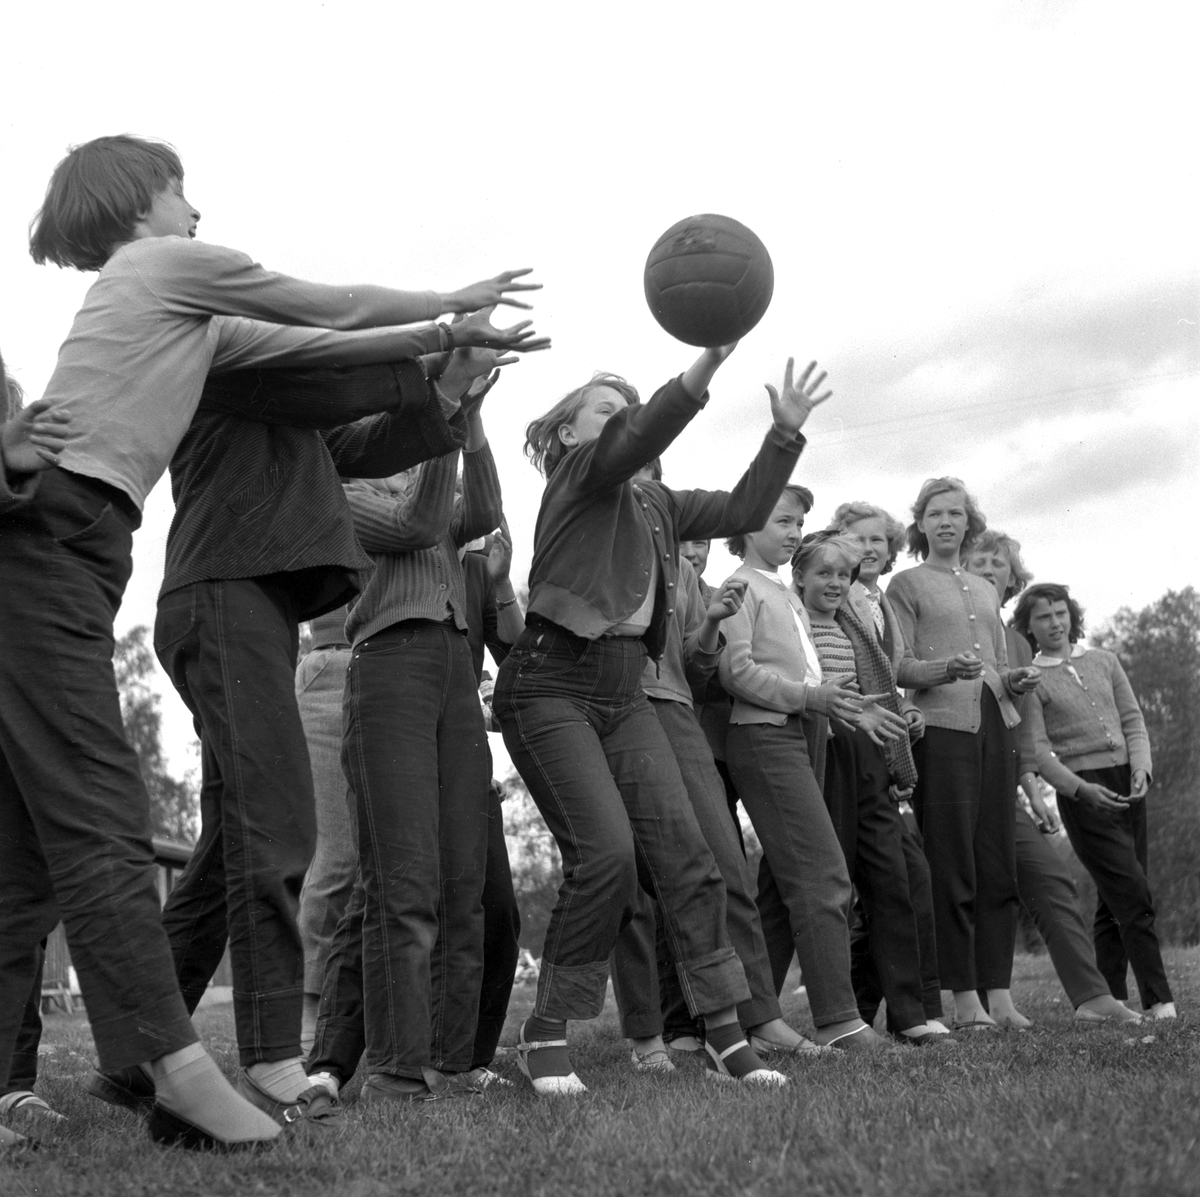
(320, 687)
(416, 757)
(648, 993)
(229, 647)
(598, 764)
(74, 813)
(803, 885)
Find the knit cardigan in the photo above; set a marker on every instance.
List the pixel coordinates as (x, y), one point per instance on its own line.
(1084, 716)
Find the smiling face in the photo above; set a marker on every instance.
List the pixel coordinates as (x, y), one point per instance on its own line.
(871, 534)
(945, 522)
(1050, 626)
(993, 566)
(825, 581)
(779, 539)
(170, 215)
(599, 405)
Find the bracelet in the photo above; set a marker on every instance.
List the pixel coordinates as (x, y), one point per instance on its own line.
(447, 332)
(502, 603)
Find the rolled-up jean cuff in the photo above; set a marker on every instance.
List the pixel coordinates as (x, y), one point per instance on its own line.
(268, 1025)
(154, 1031)
(571, 991)
(713, 982)
(756, 1011)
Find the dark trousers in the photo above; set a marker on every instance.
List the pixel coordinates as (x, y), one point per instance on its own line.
(1048, 892)
(1112, 847)
(645, 981)
(416, 757)
(341, 1036)
(870, 830)
(229, 648)
(867, 986)
(964, 804)
(22, 1071)
(731, 800)
(74, 813)
(600, 768)
(803, 886)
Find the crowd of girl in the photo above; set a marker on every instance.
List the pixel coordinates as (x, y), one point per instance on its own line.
(352, 850)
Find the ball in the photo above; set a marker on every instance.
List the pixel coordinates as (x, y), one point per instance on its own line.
(709, 280)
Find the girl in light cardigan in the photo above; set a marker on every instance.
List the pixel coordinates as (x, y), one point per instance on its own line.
(1090, 744)
(967, 758)
(776, 751)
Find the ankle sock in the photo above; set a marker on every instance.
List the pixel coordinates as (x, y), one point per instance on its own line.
(189, 1084)
(284, 1080)
(740, 1062)
(549, 1061)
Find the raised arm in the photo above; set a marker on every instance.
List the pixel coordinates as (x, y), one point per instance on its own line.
(417, 518)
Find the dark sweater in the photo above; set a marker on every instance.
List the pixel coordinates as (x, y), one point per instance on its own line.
(256, 478)
(598, 533)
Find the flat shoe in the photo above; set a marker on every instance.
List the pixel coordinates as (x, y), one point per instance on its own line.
(976, 1025)
(852, 1042)
(172, 1131)
(714, 1062)
(652, 1061)
(129, 1088)
(555, 1084)
(314, 1107)
(806, 1047)
(1091, 1018)
(380, 1088)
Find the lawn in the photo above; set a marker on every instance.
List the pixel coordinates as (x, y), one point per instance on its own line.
(1054, 1110)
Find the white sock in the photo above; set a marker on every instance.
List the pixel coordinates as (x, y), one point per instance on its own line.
(189, 1084)
(284, 1080)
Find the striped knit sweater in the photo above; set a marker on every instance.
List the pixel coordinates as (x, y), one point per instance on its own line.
(413, 531)
(834, 650)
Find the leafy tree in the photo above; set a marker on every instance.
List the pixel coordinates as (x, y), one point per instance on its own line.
(536, 864)
(1159, 648)
(173, 803)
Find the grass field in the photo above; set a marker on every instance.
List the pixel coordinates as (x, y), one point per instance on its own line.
(1054, 1110)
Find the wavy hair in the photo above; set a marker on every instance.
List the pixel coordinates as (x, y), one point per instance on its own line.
(1052, 592)
(543, 445)
(992, 541)
(817, 543)
(852, 512)
(97, 193)
(918, 543)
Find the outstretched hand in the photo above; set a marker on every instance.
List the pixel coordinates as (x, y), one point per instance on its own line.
(32, 440)
(477, 331)
(489, 293)
(791, 407)
(832, 699)
(880, 724)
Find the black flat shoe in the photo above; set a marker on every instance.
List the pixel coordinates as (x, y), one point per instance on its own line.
(172, 1131)
(129, 1088)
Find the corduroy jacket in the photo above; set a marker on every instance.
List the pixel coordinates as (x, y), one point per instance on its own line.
(598, 533)
(256, 477)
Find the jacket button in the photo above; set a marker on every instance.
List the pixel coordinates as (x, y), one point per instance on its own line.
(970, 616)
(977, 646)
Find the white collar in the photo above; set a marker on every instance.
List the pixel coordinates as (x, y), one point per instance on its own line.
(1044, 662)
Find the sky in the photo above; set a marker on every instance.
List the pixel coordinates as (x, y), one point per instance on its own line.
(982, 218)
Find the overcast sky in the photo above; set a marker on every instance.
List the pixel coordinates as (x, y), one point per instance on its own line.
(982, 219)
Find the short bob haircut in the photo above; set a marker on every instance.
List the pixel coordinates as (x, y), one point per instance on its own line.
(800, 495)
(851, 513)
(543, 445)
(97, 193)
(991, 541)
(1052, 592)
(817, 544)
(918, 544)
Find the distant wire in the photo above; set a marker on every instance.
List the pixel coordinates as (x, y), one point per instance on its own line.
(891, 424)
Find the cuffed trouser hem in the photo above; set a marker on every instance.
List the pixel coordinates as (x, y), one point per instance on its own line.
(255, 1014)
(571, 991)
(139, 1038)
(713, 982)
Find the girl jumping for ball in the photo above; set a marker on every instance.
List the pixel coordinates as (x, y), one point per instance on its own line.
(576, 720)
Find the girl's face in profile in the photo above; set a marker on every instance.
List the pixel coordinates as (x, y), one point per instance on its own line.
(825, 581)
(598, 407)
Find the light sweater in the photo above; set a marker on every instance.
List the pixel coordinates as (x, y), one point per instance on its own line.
(1084, 716)
(764, 666)
(164, 311)
(943, 612)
